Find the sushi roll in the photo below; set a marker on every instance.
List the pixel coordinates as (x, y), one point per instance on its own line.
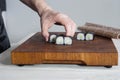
(52, 38)
(81, 36)
(89, 36)
(59, 40)
(67, 40)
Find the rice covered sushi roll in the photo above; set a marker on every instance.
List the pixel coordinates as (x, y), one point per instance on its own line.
(52, 38)
(59, 40)
(89, 36)
(67, 40)
(81, 36)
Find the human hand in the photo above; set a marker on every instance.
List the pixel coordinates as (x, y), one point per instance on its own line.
(51, 17)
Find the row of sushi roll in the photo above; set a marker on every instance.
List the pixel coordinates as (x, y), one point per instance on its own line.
(66, 40)
(60, 39)
(85, 36)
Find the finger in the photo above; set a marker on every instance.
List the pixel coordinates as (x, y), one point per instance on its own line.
(44, 30)
(65, 22)
(68, 24)
(45, 26)
(45, 34)
(73, 28)
(68, 29)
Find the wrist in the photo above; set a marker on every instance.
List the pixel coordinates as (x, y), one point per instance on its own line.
(41, 6)
(43, 10)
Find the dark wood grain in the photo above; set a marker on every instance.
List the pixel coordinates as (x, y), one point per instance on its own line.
(100, 51)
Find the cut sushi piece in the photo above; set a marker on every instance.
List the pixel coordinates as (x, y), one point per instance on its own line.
(60, 40)
(67, 40)
(81, 36)
(52, 38)
(89, 36)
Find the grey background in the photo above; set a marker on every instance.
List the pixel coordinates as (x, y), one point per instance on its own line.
(22, 21)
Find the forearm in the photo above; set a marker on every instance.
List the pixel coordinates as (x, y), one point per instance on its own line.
(38, 5)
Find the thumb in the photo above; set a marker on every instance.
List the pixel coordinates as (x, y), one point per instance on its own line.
(45, 35)
(44, 31)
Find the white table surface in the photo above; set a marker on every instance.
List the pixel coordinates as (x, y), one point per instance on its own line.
(55, 71)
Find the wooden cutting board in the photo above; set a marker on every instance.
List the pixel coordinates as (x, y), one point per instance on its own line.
(101, 51)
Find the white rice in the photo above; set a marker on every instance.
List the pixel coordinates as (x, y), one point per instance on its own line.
(60, 40)
(89, 36)
(67, 41)
(80, 36)
(52, 38)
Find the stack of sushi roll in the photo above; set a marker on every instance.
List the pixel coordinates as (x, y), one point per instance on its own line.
(60, 39)
(85, 36)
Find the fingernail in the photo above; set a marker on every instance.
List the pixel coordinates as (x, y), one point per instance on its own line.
(46, 39)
